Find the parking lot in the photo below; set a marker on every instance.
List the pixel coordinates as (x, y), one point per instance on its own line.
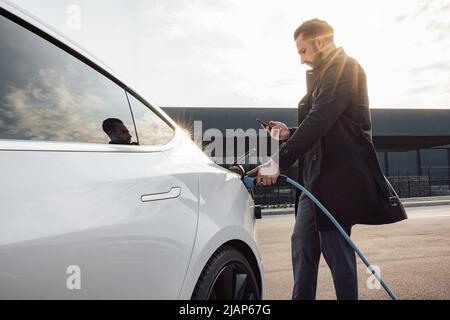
(414, 256)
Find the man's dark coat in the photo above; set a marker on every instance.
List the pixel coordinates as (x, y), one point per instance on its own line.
(333, 144)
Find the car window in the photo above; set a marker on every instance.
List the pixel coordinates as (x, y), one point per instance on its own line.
(48, 94)
(151, 129)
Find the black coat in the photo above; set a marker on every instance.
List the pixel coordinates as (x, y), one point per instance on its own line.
(302, 110)
(334, 146)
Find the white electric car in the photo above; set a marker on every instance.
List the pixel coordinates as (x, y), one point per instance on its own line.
(103, 196)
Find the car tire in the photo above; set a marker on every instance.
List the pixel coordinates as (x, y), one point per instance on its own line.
(227, 276)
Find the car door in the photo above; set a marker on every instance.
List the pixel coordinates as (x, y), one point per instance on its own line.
(86, 211)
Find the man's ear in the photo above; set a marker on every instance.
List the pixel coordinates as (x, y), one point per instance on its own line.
(318, 41)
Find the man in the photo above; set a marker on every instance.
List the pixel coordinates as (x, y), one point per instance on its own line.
(339, 165)
(117, 131)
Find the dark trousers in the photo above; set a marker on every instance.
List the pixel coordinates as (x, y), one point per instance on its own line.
(307, 243)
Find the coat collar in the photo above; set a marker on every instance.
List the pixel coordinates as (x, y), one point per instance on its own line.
(312, 76)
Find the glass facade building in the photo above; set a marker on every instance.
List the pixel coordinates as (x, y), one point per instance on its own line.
(413, 145)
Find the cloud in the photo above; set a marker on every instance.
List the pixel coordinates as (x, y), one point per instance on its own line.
(49, 107)
(44, 110)
(432, 15)
(438, 67)
(230, 52)
(420, 90)
(152, 130)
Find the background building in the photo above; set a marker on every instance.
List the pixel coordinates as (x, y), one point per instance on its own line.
(413, 145)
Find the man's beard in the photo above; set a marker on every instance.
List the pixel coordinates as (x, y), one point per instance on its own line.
(318, 58)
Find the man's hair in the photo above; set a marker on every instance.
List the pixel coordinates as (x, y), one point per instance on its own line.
(110, 124)
(314, 28)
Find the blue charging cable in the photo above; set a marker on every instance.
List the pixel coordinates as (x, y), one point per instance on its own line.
(251, 181)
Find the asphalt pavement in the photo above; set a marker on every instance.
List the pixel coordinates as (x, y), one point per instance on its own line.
(413, 256)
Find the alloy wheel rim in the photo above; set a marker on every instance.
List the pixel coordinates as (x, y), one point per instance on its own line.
(233, 282)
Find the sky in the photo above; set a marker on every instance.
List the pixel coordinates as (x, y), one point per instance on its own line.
(185, 53)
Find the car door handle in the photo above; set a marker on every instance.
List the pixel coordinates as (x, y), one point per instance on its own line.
(174, 192)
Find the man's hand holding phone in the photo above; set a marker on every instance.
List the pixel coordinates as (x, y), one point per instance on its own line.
(264, 125)
(277, 130)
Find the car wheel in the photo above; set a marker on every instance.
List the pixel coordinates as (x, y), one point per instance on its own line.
(227, 276)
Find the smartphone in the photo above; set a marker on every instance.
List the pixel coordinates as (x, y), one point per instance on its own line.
(264, 124)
